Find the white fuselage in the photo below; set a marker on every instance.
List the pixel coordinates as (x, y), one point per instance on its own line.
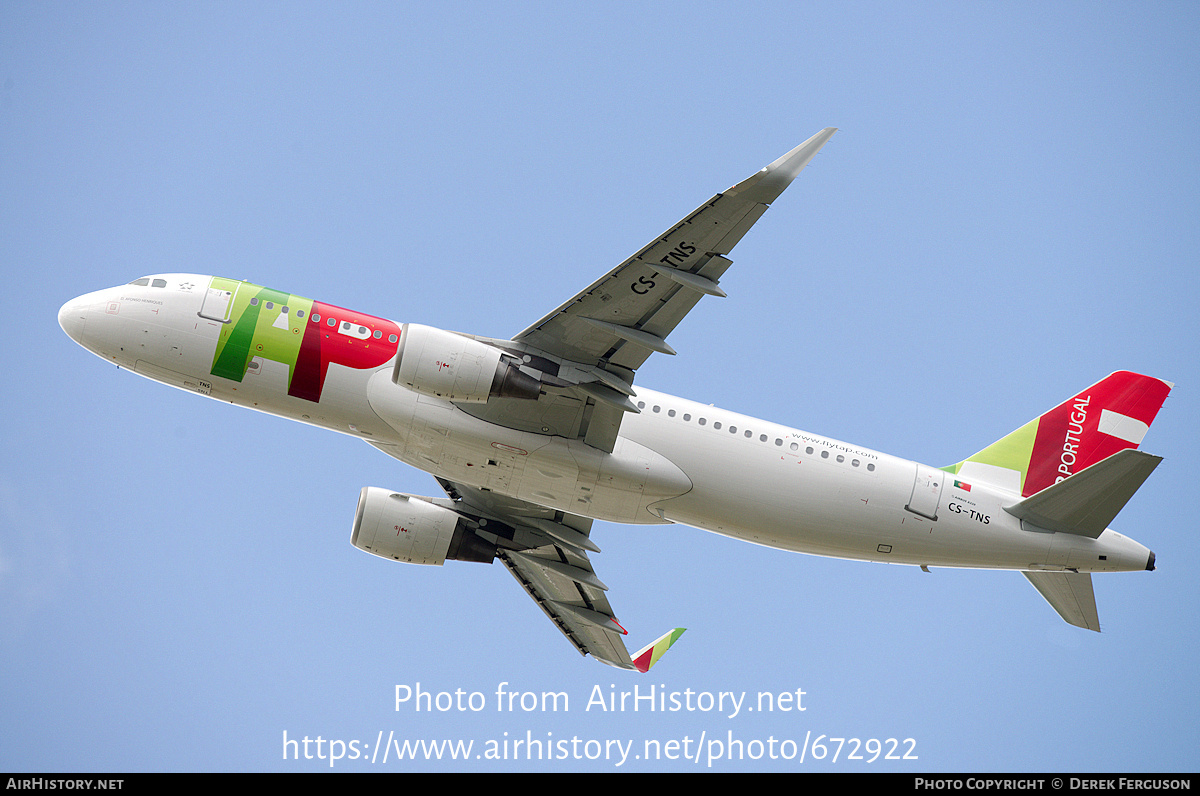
(675, 461)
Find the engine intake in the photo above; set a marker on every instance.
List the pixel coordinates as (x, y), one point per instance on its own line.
(448, 365)
(405, 528)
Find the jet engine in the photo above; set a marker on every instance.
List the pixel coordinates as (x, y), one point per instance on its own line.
(406, 528)
(458, 368)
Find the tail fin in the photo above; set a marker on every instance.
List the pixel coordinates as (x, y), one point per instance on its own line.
(1110, 416)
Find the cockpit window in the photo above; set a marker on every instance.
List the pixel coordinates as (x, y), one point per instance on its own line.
(145, 280)
(159, 283)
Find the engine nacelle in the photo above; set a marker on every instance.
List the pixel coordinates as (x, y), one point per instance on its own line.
(447, 365)
(405, 528)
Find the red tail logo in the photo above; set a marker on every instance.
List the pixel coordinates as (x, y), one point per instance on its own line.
(1105, 418)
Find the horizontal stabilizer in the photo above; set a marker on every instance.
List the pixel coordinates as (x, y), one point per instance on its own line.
(649, 655)
(1069, 593)
(1087, 502)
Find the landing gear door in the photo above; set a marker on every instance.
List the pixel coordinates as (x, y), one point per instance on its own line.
(927, 491)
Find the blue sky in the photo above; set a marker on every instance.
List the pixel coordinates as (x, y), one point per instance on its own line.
(1007, 214)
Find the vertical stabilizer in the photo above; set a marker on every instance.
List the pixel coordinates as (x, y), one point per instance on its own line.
(1110, 416)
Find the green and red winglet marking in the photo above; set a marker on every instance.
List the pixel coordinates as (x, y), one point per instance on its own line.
(649, 655)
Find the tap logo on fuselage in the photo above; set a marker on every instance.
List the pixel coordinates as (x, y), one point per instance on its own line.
(306, 335)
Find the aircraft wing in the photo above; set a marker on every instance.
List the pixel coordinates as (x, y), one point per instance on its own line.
(561, 581)
(626, 315)
(558, 575)
(584, 355)
(594, 342)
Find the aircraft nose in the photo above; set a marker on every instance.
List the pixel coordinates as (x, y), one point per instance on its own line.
(72, 318)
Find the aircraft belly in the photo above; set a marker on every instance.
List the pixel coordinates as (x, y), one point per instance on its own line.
(795, 508)
(818, 505)
(567, 475)
(867, 525)
(769, 495)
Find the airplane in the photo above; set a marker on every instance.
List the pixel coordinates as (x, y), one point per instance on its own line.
(535, 437)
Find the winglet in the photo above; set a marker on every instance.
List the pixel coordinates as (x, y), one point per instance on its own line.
(649, 655)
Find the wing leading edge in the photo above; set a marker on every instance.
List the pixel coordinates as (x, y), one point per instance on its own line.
(626, 315)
